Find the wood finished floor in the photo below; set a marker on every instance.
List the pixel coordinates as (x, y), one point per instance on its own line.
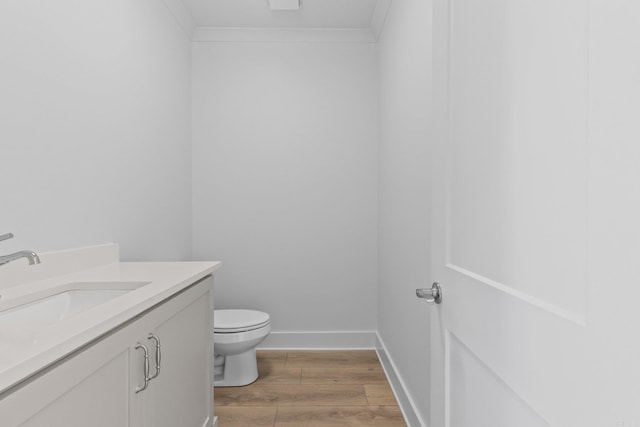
(311, 388)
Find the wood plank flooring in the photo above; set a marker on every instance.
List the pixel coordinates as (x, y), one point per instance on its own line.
(311, 388)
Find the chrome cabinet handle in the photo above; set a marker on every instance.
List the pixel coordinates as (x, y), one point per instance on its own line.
(6, 236)
(158, 354)
(433, 295)
(146, 367)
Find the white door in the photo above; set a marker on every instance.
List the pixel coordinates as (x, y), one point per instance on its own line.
(536, 213)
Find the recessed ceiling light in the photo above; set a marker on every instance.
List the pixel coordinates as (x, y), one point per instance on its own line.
(284, 4)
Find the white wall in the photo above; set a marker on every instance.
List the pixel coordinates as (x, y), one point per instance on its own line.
(95, 127)
(285, 180)
(404, 195)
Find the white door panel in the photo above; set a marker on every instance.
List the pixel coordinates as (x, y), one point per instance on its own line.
(614, 213)
(469, 378)
(536, 229)
(517, 190)
(511, 213)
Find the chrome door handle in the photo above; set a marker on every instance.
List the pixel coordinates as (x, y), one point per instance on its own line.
(158, 354)
(433, 295)
(146, 367)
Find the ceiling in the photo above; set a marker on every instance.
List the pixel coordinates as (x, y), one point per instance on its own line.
(256, 14)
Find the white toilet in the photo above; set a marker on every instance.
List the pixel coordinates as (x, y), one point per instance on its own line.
(236, 333)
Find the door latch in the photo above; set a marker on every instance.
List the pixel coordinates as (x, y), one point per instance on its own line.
(433, 295)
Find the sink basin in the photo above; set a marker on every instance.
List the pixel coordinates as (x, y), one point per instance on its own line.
(26, 320)
(21, 320)
(57, 307)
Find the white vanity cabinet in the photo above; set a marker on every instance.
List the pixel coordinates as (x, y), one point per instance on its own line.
(97, 385)
(182, 393)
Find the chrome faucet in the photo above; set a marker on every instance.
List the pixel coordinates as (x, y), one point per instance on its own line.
(31, 256)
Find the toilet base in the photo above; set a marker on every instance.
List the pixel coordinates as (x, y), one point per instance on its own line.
(239, 369)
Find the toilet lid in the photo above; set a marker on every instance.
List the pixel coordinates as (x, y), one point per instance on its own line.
(238, 320)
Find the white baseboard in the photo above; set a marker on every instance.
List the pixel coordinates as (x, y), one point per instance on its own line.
(407, 405)
(320, 340)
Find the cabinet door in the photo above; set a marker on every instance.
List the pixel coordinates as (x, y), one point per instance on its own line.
(94, 388)
(182, 394)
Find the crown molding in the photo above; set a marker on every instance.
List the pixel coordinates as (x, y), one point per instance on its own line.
(284, 35)
(280, 35)
(182, 15)
(379, 17)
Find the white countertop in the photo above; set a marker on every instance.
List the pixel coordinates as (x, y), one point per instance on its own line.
(164, 279)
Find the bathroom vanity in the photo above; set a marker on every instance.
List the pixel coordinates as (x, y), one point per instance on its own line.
(117, 344)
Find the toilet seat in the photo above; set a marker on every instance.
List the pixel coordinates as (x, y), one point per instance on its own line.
(233, 321)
